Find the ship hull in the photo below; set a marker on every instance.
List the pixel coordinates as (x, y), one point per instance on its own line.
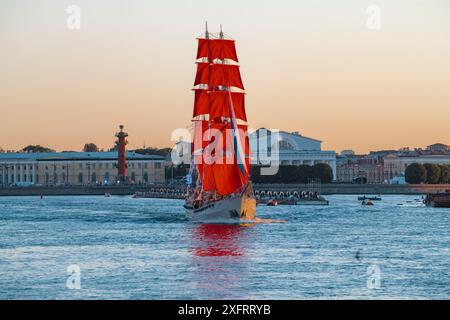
(438, 200)
(234, 209)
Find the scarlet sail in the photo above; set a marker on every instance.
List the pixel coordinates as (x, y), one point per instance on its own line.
(221, 154)
(216, 49)
(218, 103)
(221, 162)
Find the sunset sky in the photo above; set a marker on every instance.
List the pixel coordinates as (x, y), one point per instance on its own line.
(309, 66)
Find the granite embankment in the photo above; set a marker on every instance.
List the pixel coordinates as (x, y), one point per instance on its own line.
(324, 189)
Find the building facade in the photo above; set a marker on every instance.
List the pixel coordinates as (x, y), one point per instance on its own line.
(388, 166)
(288, 148)
(78, 168)
(369, 169)
(395, 165)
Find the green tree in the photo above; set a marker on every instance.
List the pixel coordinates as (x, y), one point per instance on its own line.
(287, 174)
(154, 151)
(37, 149)
(433, 172)
(90, 147)
(323, 172)
(304, 173)
(415, 173)
(445, 173)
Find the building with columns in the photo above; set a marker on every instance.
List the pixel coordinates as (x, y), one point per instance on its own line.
(288, 148)
(78, 168)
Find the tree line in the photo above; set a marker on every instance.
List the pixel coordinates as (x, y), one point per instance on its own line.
(417, 173)
(320, 172)
(92, 147)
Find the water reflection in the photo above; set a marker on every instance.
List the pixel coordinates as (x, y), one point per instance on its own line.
(216, 240)
(219, 261)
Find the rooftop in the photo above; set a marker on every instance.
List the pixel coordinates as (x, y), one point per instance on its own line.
(50, 156)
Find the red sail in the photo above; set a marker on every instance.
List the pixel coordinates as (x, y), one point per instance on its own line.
(203, 50)
(220, 104)
(222, 171)
(202, 76)
(201, 104)
(199, 143)
(216, 49)
(225, 75)
(223, 49)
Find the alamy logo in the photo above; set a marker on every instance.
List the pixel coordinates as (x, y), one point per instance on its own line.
(373, 21)
(74, 280)
(374, 279)
(74, 18)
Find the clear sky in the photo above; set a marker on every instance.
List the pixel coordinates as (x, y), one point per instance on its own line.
(308, 66)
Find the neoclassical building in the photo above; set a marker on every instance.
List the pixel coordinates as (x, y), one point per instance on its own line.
(288, 148)
(77, 168)
(395, 165)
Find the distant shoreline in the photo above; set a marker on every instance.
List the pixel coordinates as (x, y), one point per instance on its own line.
(326, 189)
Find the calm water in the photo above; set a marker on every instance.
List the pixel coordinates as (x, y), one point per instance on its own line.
(145, 249)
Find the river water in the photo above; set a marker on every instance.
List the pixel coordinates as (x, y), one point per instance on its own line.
(128, 248)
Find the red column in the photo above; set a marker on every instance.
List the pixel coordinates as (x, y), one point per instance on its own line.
(121, 161)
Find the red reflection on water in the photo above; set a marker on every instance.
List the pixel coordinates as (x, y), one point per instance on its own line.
(217, 240)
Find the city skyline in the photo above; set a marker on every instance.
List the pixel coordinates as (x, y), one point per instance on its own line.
(313, 68)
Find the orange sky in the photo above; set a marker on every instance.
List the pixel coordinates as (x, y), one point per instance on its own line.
(308, 66)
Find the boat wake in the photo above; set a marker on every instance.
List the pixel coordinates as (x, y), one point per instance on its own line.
(260, 220)
(241, 222)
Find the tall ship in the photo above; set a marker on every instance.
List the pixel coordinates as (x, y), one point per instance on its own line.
(219, 177)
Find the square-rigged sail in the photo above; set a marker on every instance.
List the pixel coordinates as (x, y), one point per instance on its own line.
(221, 146)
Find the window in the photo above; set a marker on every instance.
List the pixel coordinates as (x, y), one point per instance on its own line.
(46, 177)
(107, 165)
(146, 165)
(157, 165)
(80, 177)
(93, 166)
(94, 177)
(100, 165)
(81, 166)
(132, 165)
(146, 177)
(139, 165)
(133, 177)
(106, 177)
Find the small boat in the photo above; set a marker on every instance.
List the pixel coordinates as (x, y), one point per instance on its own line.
(438, 200)
(107, 195)
(374, 198)
(367, 203)
(272, 203)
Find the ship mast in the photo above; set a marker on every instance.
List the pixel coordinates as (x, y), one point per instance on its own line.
(219, 104)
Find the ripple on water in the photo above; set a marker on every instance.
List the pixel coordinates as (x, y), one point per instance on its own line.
(144, 248)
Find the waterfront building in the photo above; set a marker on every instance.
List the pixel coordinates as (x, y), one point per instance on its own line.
(388, 166)
(370, 170)
(347, 153)
(78, 168)
(288, 148)
(395, 165)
